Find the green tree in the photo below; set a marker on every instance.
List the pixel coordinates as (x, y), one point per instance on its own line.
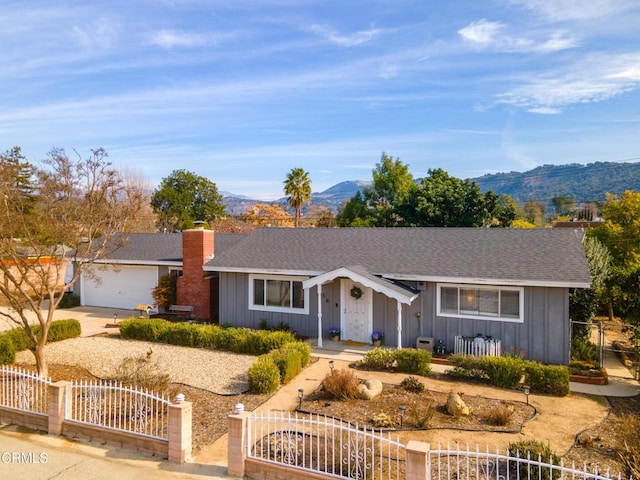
(564, 206)
(355, 213)
(392, 183)
(298, 188)
(445, 201)
(534, 212)
(78, 210)
(184, 198)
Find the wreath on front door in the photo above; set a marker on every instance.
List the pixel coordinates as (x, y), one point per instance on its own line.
(356, 292)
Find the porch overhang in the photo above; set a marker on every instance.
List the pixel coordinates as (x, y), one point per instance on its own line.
(359, 274)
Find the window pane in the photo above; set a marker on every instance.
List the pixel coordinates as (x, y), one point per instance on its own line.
(488, 302)
(510, 304)
(468, 301)
(278, 293)
(298, 295)
(258, 292)
(449, 300)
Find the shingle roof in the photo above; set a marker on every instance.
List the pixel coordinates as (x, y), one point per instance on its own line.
(154, 248)
(527, 256)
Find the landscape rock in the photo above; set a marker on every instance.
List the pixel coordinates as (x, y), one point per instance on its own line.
(456, 406)
(369, 389)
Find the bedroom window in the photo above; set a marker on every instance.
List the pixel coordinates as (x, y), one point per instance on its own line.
(278, 294)
(480, 302)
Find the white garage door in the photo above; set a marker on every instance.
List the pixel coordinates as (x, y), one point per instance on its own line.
(124, 287)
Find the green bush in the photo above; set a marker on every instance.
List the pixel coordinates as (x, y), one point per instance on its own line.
(412, 384)
(69, 300)
(585, 351)
(177, 334)
(551, 379)
(257, 342)
(264, 375)
(379, 359)
(7, 350)
(465, 366)
(505, 372)
(19, 338)
(289, 363)
(64, 329)
(304, 348)
(533, 449)
(412, 360)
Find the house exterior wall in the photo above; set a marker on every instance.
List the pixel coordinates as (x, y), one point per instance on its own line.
(544, 335)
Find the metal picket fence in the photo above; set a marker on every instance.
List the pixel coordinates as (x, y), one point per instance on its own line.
(114, 406)
(324, 445)
(466, 464)
(23, 390)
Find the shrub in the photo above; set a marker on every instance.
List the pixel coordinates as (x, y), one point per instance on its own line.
(628, 445)
(379, 359)
(499, 415)
(505, 372)
(381, 420)
(64, 329)
(341, 384)
(420, 413)
(7, 350)
(69, 300)
(19, 338)
(176, 334)
(412, 384)
(551, 379)
(165, 293)
(585, 351)
(289, 363)
(304, 348)
(533, 449)
(411, 360)
(465, 366)
(141, 371)
(257, 342)
(143, 328)
(264, 376)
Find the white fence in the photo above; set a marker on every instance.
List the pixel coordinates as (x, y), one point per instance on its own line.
(464, 464)
(324, 445)
(111, 405)
(23, 390)
(477, 346)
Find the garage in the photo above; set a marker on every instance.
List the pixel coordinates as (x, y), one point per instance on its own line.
(123, 287)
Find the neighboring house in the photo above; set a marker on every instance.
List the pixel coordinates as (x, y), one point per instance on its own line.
(510, 284)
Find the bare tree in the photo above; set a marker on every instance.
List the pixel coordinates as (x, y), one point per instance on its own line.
(67, 211)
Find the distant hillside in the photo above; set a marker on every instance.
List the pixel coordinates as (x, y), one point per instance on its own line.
(584, 183)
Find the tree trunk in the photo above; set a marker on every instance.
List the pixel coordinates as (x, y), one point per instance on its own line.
(610, 310)
(41, 361)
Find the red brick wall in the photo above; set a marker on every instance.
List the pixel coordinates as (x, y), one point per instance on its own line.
(193, 289)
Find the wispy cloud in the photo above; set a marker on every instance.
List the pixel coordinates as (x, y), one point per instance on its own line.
(174, 38)
(494, 36)
(594, 79)
(563, 10)
(349, 40)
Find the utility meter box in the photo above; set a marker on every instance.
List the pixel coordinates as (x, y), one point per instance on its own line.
(425, 343)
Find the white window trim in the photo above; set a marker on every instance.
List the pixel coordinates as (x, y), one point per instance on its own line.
(440, 313)
(265, 308)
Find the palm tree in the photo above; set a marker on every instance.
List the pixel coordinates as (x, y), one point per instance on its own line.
(298, 188)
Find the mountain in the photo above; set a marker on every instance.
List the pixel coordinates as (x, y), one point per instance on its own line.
(584, 183)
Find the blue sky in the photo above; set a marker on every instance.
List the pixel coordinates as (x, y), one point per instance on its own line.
(241, 92)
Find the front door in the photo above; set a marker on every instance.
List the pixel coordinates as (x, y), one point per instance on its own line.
(356, 322)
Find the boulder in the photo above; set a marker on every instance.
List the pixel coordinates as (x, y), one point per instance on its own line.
(369, 389)
(456, 406)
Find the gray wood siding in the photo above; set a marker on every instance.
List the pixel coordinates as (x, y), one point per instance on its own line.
(544, 335)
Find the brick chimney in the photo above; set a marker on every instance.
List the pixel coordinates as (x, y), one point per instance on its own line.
(193, 289)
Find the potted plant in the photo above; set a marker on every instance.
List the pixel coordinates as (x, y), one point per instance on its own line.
(334, 334)
(377, 338)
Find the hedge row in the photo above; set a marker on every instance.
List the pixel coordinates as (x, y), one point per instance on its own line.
(279, 366)
(406, 360)
(16, 340)
(507, 372)
(238, 340)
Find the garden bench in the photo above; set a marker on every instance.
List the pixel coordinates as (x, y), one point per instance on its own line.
(182, 311)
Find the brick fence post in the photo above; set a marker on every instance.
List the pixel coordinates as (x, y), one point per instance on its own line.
(58, 405)
(237, 445)
(180, 431)
(417, 460)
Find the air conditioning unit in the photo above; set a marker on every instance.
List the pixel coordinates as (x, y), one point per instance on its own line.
(425, 343)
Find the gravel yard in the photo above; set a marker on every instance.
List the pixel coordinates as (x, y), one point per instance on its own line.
(219, 372)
